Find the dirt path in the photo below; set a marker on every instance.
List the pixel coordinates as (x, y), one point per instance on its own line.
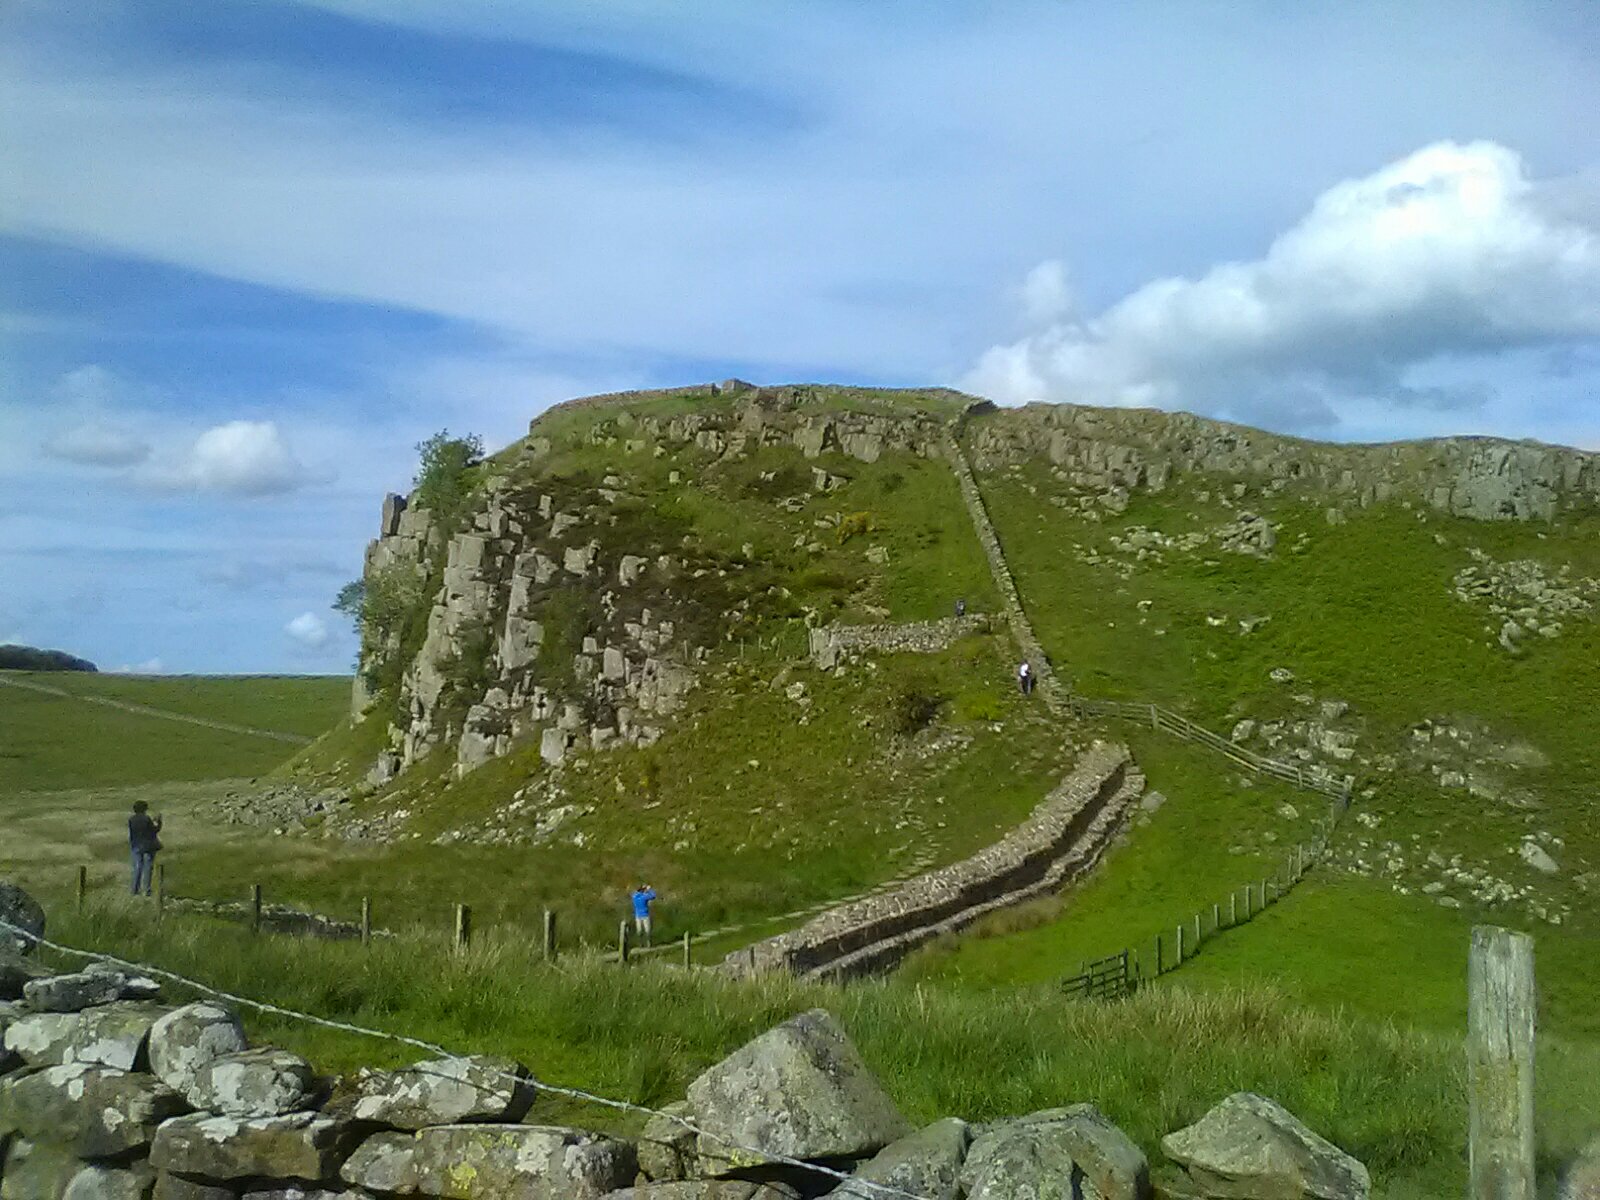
(145, 710)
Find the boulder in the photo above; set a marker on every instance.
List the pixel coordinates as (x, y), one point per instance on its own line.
(446, 1091)
(37, 1171)
(305, 1146)
(99, 1112)
(16, 971)
(96, 1182)
(177, 1187)
(189, 1038)
(508, 1162)
(115, 1035)
(94, 985)
(23, 912)
(666, 1148)
(799, 1090)
(1581, 1181)
(253, 1083)
(707, 1189)
(1064, 1153)
(926, 1163)
(1251, 1148)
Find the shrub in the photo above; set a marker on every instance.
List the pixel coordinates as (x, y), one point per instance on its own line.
(855, 525)
(913, 706)
(444, 475)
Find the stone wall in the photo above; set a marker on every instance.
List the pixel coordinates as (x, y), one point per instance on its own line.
(833, 642)
(106, 1093)
(1061, 840)
(1116, 451)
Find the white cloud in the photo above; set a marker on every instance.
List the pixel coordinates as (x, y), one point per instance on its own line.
(98, 444)
(150, 666)
(92, 403)
(310, 630)
(1452, 251)
(1046, 294)
(246, 458)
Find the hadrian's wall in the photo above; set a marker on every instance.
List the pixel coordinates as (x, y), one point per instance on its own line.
(1060, 840)
(830, 643)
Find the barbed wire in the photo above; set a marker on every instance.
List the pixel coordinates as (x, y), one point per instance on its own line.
(572, 1093)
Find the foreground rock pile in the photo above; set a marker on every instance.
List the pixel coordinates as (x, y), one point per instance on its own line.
(106, 1093)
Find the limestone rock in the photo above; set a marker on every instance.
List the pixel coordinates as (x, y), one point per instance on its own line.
(1537, 857)
(508, 1162)
(98, 1112)
(1252, 1148)
(37, 1171)
(800, 1090)
(446, 1091)
(114, 1035)
(926, 1164)
(94, 985)
(304, 1145)
(188, 1038)
(22, 910)
(97, 1182)
(1066, 1152)
(253, 1083)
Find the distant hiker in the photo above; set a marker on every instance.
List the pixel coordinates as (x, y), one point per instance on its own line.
(642, 897)
(143, 842)
(1025, 679)
(961, 608)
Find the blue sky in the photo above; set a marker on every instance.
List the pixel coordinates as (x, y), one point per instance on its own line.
(251, 254)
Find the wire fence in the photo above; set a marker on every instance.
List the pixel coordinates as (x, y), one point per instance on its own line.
(583, 1095)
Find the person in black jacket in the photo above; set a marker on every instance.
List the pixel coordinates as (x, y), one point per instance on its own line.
(143, 842)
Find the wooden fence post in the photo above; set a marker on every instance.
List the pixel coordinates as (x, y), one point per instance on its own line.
(622, 942)
(688, 954)
(1197, 931)
(161, 891)
(1177, 949)
(1500, 1020)
(1233, 908)
(1262, 902)
(1155, 719)
(1158, 955)
(463, 937)
(83, 886)
(255, 908)
(549, 935)
(1247, 899)
(366, 920)
(1216, 919)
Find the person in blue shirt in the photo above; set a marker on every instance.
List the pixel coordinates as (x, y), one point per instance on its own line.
(144, 841)
(642, 896)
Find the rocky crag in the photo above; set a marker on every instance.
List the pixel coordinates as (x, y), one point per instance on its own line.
(107, 1093)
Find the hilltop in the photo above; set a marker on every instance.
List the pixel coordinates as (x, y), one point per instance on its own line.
(30, 658)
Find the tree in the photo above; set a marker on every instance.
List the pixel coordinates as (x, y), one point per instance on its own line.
(352, 601)
(443, 478)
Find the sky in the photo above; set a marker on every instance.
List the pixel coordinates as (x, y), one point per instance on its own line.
(251, 254)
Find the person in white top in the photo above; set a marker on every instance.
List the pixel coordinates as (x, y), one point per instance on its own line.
(1025, 679)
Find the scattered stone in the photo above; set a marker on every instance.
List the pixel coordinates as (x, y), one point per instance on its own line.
(1252, 1148)
(446, 1091)
(1281, 675)
(799, 1090)
(253, 1083)
(509, 1162)
(189, 1038)
(1537, 857)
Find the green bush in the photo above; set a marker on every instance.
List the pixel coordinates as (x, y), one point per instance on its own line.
(914, 705)
(444, 475)
(855, 525)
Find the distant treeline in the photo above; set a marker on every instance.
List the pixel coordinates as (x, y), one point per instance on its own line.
(30, 658)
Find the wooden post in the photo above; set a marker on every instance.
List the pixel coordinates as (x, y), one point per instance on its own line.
(463, 937)
(688, 955)
(1500, 1020)
(622, 942)
(1233, 909)
(1155, 719)
(1197, 931)
(1262, 902)
(1177, 950)
(1158, 955)
(1247, 902)
(1133, 970)
(1216, 918)
(83, 886)
(366, 920)
(161, 891)
(549, 935)
(255, 908)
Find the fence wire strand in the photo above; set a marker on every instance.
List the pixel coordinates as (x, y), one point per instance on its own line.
(861, 1186)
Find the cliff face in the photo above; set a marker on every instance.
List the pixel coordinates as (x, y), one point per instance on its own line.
(574, 600)
(571, 605)
(1483, 478)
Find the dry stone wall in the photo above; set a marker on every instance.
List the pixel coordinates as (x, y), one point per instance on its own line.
(1059, 842)
(832, 643)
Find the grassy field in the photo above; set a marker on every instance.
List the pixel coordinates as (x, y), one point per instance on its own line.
(54, 742)
(1393, 1098)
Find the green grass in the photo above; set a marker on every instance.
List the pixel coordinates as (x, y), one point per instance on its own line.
(1394, 1099)
(53, 742)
